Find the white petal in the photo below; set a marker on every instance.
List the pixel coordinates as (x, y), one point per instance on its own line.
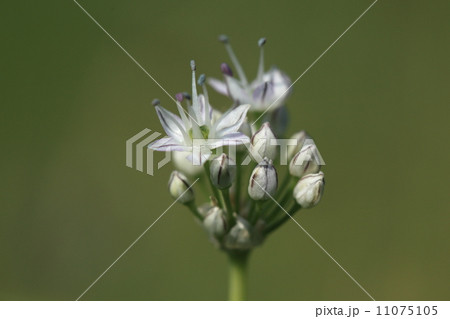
(203, 110)
(230, 121)
(236, 138)
(171, 124)
(236, 91)
(168, 144)
(218, 85)
(263, 95)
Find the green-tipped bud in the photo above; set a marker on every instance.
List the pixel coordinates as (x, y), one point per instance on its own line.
(215, 222)
(309, 190)
(263, 181)
(263, 143)
(305, 162)
(222, 171)
(180, 189)
(240, 236)
(300, 138)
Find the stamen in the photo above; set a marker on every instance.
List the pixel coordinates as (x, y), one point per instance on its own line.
(184, 118)
(225, 68)
(261, 43)
(156, 102)
(186, 95)
(205, 93)
(201, 79)
(188, 98)
(194, 88)
(234, 59)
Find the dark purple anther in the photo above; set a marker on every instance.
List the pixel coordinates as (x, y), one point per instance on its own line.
(225, 68)
(186, 95)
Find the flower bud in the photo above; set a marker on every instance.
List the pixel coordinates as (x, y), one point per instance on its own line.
(222, 171)
(263, 181)
(300, 138)
(240, 236)
(309, 190)
(305, 162)
(215, 222)
(180, 189)
(263, 144)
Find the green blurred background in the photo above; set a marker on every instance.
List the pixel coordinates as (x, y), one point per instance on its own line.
(377, 105)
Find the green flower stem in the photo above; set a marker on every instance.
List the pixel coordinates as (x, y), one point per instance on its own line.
(256, 213)
(285, 183)
(194, 210)
(238, 276)
(214, 190)
(237, 190)
(274, 225)
(284, 194)
(275, 210)
(226, 202)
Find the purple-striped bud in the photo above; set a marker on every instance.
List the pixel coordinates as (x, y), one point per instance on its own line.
(264, 181)
(222, 171)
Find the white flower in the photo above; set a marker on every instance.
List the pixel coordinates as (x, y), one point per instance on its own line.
(198, 132)
(269, 89)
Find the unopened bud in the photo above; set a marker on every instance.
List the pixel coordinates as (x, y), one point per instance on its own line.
(180, 189)
(240, 236)
(263, 143)
(222, 171)
(300, 138)
(305, 162)
(263, 181)
(193, 67)
(309, 190)
(215, 222)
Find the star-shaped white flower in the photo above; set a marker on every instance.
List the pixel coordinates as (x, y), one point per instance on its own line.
(269, 89)
(198, 132)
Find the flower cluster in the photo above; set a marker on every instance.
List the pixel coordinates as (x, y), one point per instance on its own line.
(239, 154)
